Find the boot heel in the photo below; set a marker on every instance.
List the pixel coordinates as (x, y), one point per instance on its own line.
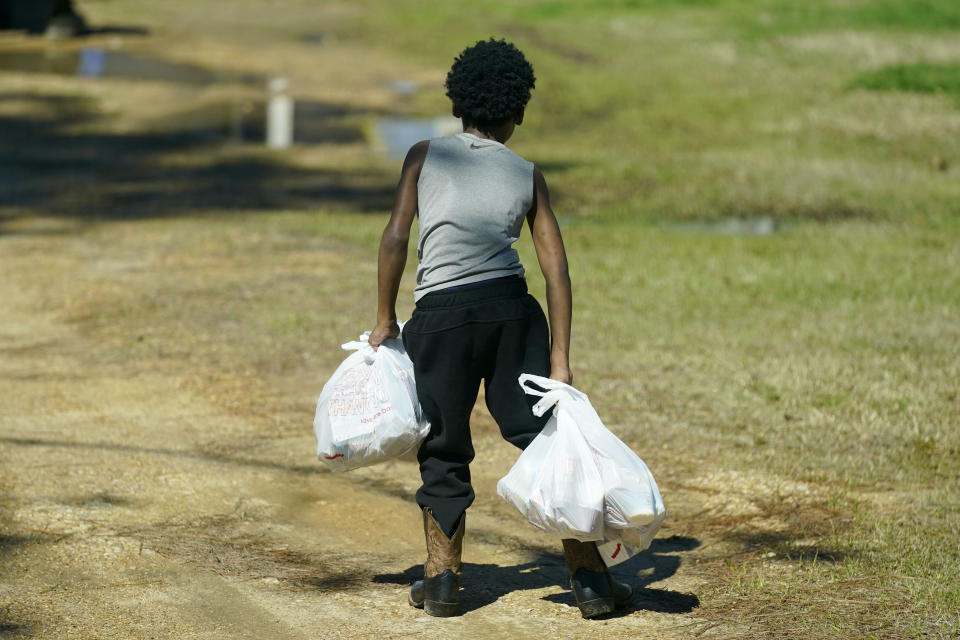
(594, 589)
(441, 595)
(440, 609)
(598, 607)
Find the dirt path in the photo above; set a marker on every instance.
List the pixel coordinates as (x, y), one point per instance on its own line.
(134, 506)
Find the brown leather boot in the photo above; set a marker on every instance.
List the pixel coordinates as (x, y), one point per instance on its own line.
(593, 587)
(439, 591)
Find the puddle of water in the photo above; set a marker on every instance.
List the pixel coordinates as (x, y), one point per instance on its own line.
(316, 38)
(760, 226)
(403, 87)
(94, 62)
(397, 135)
(320, 122)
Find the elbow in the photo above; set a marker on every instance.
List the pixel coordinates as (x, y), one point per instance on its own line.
(394, 239)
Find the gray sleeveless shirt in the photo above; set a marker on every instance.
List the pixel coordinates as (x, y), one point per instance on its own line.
(473, 196)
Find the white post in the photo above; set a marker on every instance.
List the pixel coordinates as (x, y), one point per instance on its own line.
(279, 114)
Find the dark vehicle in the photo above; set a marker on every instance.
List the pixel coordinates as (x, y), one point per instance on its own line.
(55, 18)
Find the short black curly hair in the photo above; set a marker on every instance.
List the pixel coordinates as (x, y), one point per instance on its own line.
(490, 82)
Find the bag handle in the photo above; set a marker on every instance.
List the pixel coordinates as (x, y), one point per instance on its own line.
(555, 391)
(544, 383)
(362, 344)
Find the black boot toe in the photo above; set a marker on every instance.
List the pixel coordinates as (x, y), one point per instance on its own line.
(622, 593)
(415, 598)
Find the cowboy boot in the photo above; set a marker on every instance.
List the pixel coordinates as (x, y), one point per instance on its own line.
(439, 591)
(593, 587)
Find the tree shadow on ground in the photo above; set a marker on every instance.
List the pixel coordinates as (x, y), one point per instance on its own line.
(307, 469)
(54, 162)
(784, 543)
(484, 584)
(115, 30)
(12, 629)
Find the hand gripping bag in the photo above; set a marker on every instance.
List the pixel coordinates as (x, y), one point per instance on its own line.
(555, 483)
(368, 411)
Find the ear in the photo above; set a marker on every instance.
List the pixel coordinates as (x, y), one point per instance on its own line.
(456, 112)
(518, 117)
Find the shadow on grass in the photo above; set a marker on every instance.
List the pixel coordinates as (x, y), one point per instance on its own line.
(12, 629)
(116, 30)
(807, 525)
(657, 563)
(8, 542)
(9, 626)
(53, 164)
(177, 453)
(99, 500)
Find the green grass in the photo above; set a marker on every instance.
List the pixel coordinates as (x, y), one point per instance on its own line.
(764, 16)
(922, 77)
(896, 15)
(706, 110)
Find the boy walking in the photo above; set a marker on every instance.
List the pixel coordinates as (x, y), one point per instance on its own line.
(474, 320)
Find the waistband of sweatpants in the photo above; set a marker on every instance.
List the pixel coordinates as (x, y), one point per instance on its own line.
(507, 287)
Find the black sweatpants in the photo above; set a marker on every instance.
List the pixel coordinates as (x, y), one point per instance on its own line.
(457, 337)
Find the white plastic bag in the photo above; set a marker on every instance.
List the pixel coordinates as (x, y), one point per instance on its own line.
(631, 497)
(368, 411)
(555, 483)
(622, 544)
(633, 509)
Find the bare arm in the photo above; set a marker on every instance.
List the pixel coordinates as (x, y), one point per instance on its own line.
(393, 245)
(553, 262)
